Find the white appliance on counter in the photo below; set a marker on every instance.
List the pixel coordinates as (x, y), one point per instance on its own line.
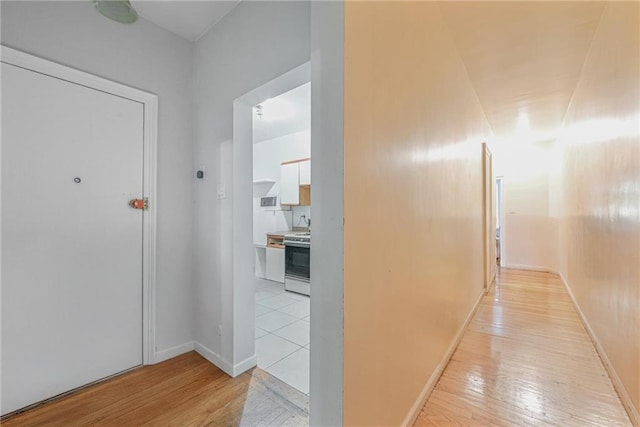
(297, 262)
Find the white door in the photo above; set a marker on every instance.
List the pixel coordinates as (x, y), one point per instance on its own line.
(72, 158)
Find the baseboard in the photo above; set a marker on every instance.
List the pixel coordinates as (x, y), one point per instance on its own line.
(492, 282)
(411, 417)
(527, 267)
(632, 411)
(161, 356)
(245, 365)
(220, 362)
(214, 358)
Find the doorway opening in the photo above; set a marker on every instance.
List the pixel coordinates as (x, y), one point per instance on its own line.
(271, 183)
(499, 220)
(282, 236)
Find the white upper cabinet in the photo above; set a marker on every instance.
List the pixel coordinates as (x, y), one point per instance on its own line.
(305, 172)
(289, 184)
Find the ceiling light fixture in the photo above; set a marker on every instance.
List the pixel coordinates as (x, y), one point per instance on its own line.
(275, 109)
(117, 10)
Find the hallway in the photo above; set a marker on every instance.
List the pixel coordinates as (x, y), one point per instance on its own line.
(525, 359)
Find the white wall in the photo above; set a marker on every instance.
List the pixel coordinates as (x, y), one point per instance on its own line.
(268, 157)
(270, 154)
(529, 235)
(255, 43)
(147, 57)
(298, 212)
(327, 198)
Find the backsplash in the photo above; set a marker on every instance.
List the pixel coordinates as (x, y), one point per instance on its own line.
(298, 212)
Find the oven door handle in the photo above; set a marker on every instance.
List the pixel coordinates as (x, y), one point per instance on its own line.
(297, 244)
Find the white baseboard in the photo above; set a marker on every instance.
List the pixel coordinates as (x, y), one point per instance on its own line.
(220, 362)
(245, 365)
(214, 358)
(437, 372)
(161, 356)
(527, 267)
(632, 411)
(207, 353)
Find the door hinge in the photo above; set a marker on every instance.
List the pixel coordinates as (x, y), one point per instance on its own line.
(142, 204)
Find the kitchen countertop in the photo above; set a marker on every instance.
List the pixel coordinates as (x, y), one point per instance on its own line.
(283, 233)
(279, 233)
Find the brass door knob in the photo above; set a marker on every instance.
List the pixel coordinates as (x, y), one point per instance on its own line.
(138, 204)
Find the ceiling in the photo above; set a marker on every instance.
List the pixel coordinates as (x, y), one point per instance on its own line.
(188, 19)
(296, 106)
(523, 58)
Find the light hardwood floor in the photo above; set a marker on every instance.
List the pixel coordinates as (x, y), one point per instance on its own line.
(525, 360)
(184, 391)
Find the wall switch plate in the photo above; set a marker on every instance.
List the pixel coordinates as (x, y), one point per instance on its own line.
(222, 191)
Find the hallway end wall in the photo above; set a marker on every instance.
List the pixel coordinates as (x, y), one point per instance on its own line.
(413, 261)
(529, 233)
(600, 201)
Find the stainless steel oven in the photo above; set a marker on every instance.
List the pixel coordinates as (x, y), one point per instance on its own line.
(297, 260)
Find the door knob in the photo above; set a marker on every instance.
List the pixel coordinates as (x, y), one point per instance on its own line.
(142, 204)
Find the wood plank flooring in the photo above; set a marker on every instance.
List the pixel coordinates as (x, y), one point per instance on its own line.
(525, 360)
(184, 391)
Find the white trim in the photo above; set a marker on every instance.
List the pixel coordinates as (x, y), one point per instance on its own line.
(214, 358)
(150, 103)
(411, 417)
(528, 267)
(245, 365)
(500, 213)
(170, 353)
(619, 387)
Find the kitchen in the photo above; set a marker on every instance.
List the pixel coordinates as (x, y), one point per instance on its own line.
(282, 235)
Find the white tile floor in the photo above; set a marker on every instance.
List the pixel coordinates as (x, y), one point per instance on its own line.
(282, 333)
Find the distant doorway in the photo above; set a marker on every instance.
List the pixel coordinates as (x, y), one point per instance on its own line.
(487, 216)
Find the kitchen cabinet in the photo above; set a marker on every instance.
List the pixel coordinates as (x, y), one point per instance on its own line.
(274, 269)
(289, 184)
(305, 172)
(275, 258)
(275, 264)
(295, 183)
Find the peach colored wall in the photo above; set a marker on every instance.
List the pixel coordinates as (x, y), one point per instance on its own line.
(413, 264)
(600, 225)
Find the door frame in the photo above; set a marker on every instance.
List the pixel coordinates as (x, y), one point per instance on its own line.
(487, 217)
(500, 213)
(240, 336)
(150, 125)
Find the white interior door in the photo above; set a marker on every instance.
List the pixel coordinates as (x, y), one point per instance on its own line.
(72, 158)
